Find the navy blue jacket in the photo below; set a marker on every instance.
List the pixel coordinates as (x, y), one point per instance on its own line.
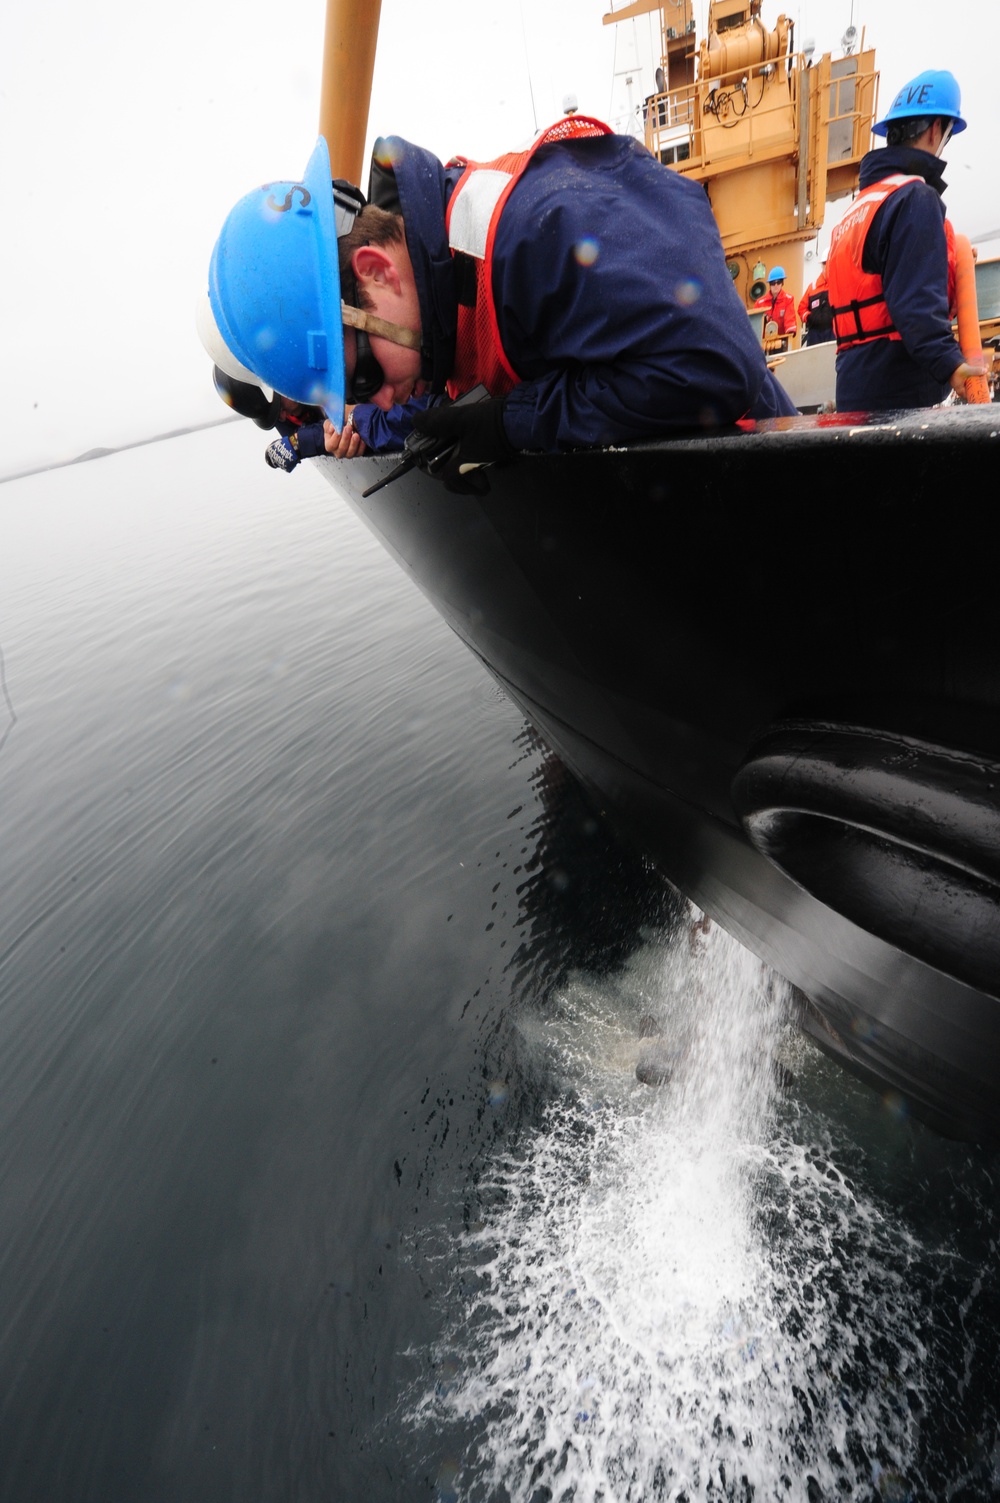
(383, 431)
(906, 247)
(648, 335)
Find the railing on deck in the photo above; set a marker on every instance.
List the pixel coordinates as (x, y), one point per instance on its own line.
(755, 113)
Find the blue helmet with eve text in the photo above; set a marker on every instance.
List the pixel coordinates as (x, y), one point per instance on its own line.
(274, 285)
(934, 94)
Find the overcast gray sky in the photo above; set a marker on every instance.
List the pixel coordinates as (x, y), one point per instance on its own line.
(127, 132)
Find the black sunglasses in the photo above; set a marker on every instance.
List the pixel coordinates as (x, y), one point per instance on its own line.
(368, 377)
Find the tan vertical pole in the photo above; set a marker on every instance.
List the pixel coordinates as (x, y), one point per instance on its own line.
(348, 65)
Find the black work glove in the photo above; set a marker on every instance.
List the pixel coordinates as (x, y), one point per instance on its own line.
(305, 443)
(477, 437)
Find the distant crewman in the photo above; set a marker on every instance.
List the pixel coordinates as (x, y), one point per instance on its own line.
(891, 266)
(778, 306)
(815, 312)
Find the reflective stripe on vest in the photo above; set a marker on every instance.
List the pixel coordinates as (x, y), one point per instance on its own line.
(471, 221)
(857, 300)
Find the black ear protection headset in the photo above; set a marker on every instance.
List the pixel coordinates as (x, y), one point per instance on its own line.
(368, 377)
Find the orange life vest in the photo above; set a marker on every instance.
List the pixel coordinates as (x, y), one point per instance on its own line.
(471, 221)
(812, 297)
(860, 311)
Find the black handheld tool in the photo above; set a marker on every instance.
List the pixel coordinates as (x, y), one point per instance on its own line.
(430, 454)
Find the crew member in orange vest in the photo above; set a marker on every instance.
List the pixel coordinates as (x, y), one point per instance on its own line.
(778, 305)
(814, 311)
(891, 262)
(525, 275)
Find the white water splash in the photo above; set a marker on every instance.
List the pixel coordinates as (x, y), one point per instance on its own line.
(670, 1297)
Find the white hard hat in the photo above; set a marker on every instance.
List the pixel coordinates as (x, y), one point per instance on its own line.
(217, 349)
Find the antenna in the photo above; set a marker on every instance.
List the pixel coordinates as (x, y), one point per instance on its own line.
(849, 40)
(630, 75)
(527, 66)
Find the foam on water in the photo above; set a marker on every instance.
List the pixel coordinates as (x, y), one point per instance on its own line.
(675, 1292)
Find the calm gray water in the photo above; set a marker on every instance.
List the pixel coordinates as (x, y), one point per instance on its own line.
(324, 1170)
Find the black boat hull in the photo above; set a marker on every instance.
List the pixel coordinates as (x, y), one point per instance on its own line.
(772, 654)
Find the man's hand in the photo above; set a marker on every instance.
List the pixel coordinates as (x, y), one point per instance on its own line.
(477, 434)
(962, 372)
(346, 443)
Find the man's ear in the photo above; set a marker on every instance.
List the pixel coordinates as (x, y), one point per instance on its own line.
(374, 267)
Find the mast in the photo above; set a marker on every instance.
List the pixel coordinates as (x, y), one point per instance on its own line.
(348, 65)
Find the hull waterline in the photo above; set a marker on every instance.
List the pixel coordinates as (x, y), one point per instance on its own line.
(772, 655)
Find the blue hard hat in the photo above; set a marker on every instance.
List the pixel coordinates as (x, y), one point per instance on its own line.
(776, 274)
(934, 93)
(274, 287)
